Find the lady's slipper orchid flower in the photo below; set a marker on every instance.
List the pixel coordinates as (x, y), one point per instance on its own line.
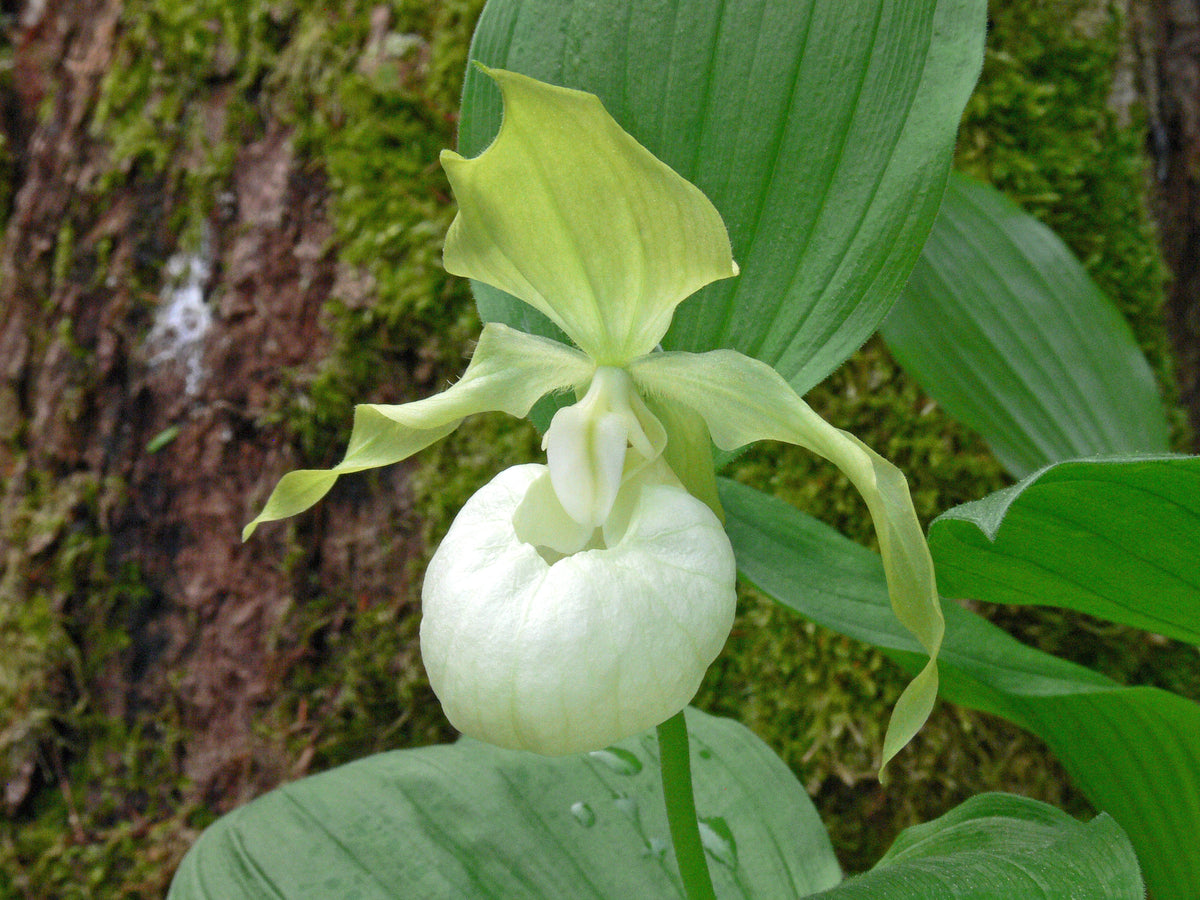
(573, 604)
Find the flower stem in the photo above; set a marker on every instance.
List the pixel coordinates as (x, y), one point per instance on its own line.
(681, 808)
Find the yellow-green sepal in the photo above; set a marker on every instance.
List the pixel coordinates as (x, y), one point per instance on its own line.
(572, 215)
(688, 452)
(743, 400)
(509, 372)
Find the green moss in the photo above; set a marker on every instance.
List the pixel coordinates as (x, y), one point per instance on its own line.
(64, 614)
(76, 847)
(46, 557)
(383, 109)
(149, 108)
(377, 129)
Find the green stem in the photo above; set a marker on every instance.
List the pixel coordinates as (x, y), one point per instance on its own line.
(681, 808)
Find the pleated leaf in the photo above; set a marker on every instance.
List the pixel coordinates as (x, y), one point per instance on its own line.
(472, 820)
(1001, 324)
(1134, 751)
(821, 131)
(1116, 539)
(1001, 846)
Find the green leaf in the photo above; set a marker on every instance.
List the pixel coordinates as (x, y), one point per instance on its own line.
(1116, 539)
(569, 213)
(509, 372)
(743, 400)
(1134, 751)
(1004, 328)
(824, 147)
(472, 820)
(1000, 846)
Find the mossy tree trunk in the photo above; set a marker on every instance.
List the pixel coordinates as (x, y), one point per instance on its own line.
(89, 382)
(145, 381)
(1171, 62)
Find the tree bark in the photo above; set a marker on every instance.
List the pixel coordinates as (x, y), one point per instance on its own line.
(1169, 32)
(143, 399)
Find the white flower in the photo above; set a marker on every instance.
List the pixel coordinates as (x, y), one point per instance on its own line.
(574, 604)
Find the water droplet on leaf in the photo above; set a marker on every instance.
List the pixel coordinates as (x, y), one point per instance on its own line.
(657, 848)
(718, 840)
(628, 806)
(583, 814)
(650, 746)
(619, 760)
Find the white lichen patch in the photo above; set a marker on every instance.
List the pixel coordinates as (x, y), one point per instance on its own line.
(184, 317)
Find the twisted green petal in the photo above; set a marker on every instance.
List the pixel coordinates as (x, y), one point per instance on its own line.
(509, 372)
(572, 215)
(744, 400)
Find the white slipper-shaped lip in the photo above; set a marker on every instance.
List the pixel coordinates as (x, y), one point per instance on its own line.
(572, 656)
